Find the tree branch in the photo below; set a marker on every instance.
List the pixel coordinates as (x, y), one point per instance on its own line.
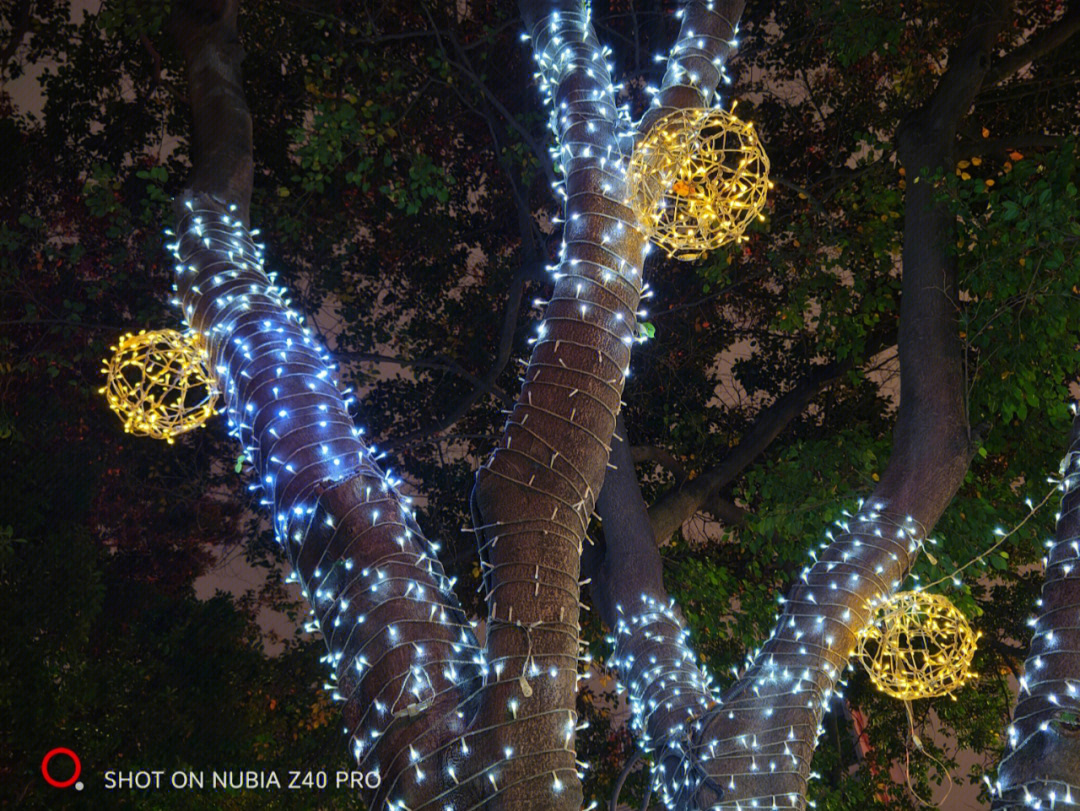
(780, 700)
(402, 656)
(1039, 45)
(661, 456)
(1031, 140)
(19, 29)
(206, 32)
(695, 64)
(486, 384)
(669, 512)
(534, 495)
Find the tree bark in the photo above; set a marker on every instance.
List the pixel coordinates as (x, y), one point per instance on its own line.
(765, 732)
(1041, 765)
(535, 494)
(1043, 42)
(205, 31)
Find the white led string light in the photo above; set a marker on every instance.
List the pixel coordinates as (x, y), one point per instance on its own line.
(1050, 687)
(681, 720)
(398, 645)
(581, 354)
(369, 572)
(696, 63)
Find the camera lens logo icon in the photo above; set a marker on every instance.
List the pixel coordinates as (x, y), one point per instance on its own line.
(71, 781)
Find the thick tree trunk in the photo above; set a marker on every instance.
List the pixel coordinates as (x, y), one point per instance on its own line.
(222, 164)
(401, 654)
(1041, 767)
(535, 494)
(444, 722)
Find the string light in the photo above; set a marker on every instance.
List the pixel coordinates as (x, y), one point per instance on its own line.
(750, 748)
(918, 645)
(398, 644)
(697, 180)
(1036, 771)
(158, 383)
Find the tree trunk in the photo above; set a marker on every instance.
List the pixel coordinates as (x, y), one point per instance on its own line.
(443, 721)
(1041, 765)
(536, 493)
(221, 126)
(401, 654)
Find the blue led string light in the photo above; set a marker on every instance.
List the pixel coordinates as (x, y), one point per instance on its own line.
(570, 397)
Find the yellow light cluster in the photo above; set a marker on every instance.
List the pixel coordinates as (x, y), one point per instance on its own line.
(697, 180)
(159, 384)
(918, 645)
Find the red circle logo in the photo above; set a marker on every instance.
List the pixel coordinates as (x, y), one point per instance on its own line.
(52, 781)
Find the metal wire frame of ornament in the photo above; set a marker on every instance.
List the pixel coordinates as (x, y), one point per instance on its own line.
(158, 383)
(918, 645)
(697, 180)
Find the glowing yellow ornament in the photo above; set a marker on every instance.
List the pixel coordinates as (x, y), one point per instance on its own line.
(697, 180)
(918, 645)
(159, 384)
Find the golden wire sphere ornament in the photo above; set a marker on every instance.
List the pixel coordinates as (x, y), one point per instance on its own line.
(159, 383)
(918, 645)
(697, 180)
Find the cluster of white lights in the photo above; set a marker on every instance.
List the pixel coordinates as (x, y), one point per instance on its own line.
(697, 60)
(732, 751)
(397, 643)
(581, 350)
(1050, 687)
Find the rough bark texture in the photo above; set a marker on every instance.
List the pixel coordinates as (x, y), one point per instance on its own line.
(205, 31)
(534, 495)
(1041, 766)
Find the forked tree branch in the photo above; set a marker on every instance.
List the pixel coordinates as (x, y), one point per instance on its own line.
(753, 745)
(678, 505)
